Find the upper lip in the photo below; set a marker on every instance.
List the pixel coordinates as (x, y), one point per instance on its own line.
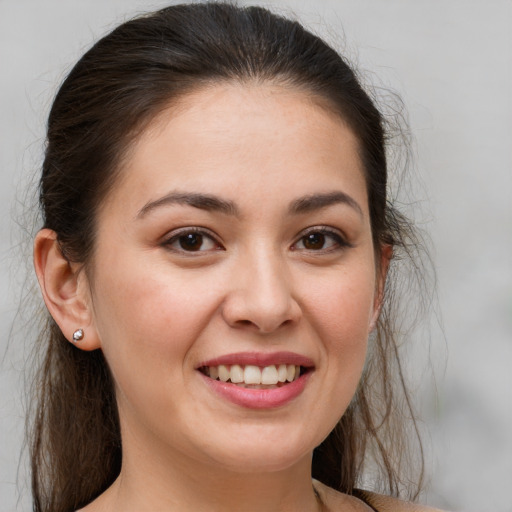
(259, 359)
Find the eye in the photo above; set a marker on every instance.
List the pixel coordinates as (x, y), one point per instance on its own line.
(192, 240)
(320, 239)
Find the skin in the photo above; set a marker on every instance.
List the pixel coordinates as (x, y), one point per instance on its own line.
(158, 310)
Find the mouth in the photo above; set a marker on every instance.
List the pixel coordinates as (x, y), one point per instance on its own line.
(258, 380)
(255, 377)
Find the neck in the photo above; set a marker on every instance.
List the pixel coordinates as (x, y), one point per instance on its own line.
(172, 482)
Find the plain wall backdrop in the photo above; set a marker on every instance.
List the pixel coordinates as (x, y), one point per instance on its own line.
(451, 61)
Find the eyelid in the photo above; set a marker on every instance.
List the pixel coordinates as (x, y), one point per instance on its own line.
(175, 234)
(340, 238)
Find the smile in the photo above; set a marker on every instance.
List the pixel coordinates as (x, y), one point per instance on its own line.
(253, 376)
(257, 380)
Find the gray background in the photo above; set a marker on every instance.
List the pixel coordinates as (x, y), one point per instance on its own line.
(452, 63)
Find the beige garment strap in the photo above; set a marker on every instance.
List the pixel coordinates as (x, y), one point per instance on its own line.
(382, 503)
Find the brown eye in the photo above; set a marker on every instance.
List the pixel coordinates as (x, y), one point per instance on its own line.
(314, 241)
(192, 241)
(320, 239)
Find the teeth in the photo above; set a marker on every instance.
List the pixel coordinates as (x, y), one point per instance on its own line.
(223, 373)
(236, 374)
(269, 375)
(254, 375)
(281, 373)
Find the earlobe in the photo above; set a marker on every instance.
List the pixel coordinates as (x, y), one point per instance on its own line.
(64, 290)
(386, 254)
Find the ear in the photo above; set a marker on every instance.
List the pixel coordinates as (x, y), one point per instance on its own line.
(386, 254)
(65, 290)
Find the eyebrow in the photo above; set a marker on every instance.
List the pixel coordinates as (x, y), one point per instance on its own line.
(213, 203)
(314, 202)
(202, 201)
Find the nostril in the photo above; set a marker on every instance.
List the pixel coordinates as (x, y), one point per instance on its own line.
(258, 310)
(245, 322)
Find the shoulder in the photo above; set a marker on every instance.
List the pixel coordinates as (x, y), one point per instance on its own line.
(388, 504)
(365, 501)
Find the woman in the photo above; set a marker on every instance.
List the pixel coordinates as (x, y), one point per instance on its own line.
(214, 256)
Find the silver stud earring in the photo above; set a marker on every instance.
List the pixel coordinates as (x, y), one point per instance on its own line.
(78, 335)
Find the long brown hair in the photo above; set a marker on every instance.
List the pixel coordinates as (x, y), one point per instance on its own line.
(108, 98)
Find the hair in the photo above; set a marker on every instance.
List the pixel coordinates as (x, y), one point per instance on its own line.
(110, 96)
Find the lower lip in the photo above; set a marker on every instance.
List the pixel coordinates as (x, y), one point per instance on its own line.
(258, 398)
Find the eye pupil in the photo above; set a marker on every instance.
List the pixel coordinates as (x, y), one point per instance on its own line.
(191, 241)
(314, 241)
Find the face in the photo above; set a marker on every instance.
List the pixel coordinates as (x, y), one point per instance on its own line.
(235, 253)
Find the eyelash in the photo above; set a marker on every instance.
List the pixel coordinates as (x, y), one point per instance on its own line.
(175, 238)
(339, 241)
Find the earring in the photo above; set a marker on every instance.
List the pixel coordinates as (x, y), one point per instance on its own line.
(78, 335)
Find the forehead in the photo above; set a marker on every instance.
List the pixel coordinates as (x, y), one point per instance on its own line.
(230, 136)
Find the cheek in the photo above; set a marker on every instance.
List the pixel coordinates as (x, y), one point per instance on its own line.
(342, 307)
(344, 329)
(148, 319)
(340, 313)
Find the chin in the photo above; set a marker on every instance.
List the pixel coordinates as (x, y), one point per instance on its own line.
(258, 462)
(263, 451)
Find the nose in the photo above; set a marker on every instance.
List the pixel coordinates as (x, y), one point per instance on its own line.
(261, 295)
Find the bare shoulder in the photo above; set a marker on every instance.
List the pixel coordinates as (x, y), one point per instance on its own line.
(335, 501)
